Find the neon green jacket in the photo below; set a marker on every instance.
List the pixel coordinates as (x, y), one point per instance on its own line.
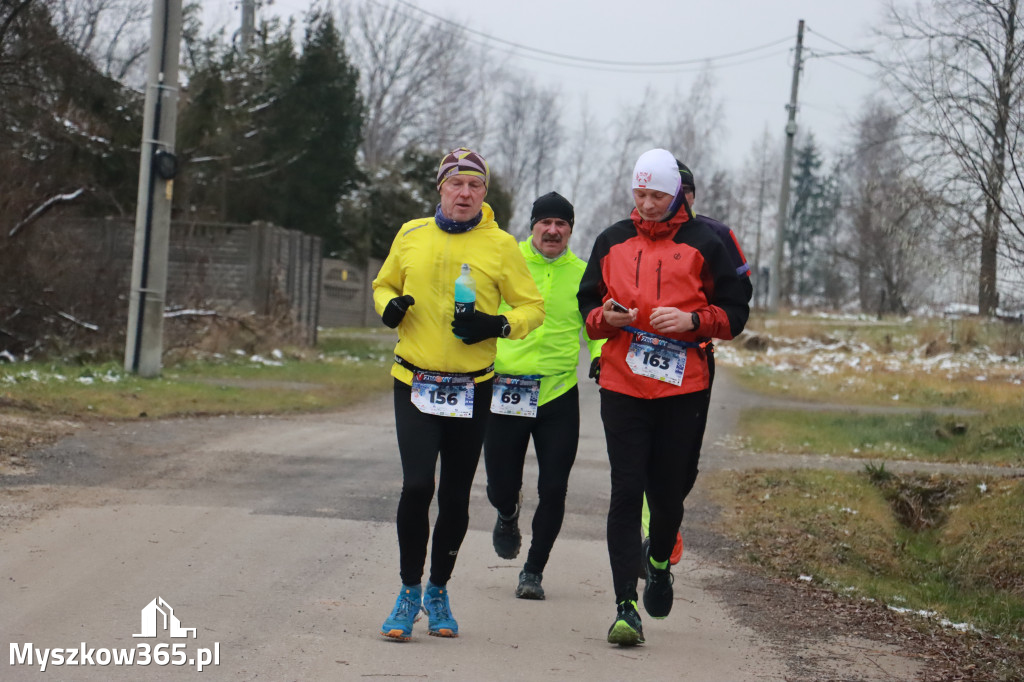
(552, 349)
(423, 262)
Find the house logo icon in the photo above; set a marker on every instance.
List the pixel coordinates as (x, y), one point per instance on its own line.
(159, 615)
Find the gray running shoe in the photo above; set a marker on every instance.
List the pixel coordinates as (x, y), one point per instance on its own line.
(506, 537)
(529, 585)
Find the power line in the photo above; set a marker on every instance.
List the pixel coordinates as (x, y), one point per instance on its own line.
(588, 60)
(690, 69)
(841, 65)
(849, 51)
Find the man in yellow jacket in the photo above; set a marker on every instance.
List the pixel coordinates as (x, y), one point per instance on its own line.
(535, 395)
(444, 364)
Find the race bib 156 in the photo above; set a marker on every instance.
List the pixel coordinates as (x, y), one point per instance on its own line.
(442, 394)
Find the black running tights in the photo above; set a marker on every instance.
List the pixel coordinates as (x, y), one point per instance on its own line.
(653, 446)
(556, 433)
(421, 438)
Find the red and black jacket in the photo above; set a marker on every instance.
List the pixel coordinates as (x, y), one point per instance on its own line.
(681, 263)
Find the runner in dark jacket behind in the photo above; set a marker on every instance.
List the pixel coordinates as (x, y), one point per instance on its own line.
(673, 276)
(739, 261)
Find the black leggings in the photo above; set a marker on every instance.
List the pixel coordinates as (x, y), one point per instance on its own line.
(556, 432)
(421, 437)
(653, 447)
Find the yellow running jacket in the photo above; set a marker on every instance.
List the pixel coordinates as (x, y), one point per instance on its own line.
(423, 262)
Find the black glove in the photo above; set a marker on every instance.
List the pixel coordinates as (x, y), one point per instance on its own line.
(394, 311)
(477, 327)
(595, 369)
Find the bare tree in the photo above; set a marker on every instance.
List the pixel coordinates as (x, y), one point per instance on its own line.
(959, 65)
(114, 34)
(694, 124)
(580, 153)
(411, 86)
(890, 217)
(529, 134)
(759, 183)
(629, 135)
(460, 106)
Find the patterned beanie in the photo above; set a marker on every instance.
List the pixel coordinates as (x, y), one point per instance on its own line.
(656, 169)
(463, 161)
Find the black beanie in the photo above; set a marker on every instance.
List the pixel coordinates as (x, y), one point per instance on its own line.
(552, 205)
(686, 176)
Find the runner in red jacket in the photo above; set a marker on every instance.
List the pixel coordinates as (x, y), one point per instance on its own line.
(672, 275)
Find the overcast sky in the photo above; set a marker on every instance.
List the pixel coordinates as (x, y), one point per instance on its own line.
(754, 85)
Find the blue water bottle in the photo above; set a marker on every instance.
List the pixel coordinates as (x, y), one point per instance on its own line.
(465, 293)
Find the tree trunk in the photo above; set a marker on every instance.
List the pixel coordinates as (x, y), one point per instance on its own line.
(988, 296)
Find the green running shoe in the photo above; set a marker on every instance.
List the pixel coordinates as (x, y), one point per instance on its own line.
(626, 630)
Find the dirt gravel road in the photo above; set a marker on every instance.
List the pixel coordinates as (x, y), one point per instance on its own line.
(274, 539)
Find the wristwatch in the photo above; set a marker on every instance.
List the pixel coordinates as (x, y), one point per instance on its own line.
(506, 328)
(695, 318)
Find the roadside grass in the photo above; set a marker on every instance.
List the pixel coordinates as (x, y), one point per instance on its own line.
(966, 363)
(936, 335)
(41, 400)
(910, 365)
(223, 385)
(950, 549)
(792, 376)
(992, 438)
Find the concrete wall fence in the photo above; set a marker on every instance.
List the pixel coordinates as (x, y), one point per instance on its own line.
(346, 296)
(230, 267)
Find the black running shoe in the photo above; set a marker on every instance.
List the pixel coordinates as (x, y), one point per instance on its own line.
(506, 537)
(529, 585)
(626, 630)
(657, 588)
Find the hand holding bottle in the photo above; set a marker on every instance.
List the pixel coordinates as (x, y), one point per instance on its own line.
(477, 326)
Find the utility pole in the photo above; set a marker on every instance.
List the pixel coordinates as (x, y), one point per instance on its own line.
(248, 25)
(775, 282)
(157, 168)
(757, 243)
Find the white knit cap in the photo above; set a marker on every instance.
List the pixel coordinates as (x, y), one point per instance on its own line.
(657, 169)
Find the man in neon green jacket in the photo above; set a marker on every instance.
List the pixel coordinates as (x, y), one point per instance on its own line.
(535, 394)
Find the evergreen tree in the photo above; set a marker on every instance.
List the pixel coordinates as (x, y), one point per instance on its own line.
(374, 210)
(69, 135)
(320, 126)
(272, 135)
(814, 208)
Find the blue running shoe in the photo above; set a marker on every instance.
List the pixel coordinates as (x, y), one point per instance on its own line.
(435, 603)
(406, 612)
